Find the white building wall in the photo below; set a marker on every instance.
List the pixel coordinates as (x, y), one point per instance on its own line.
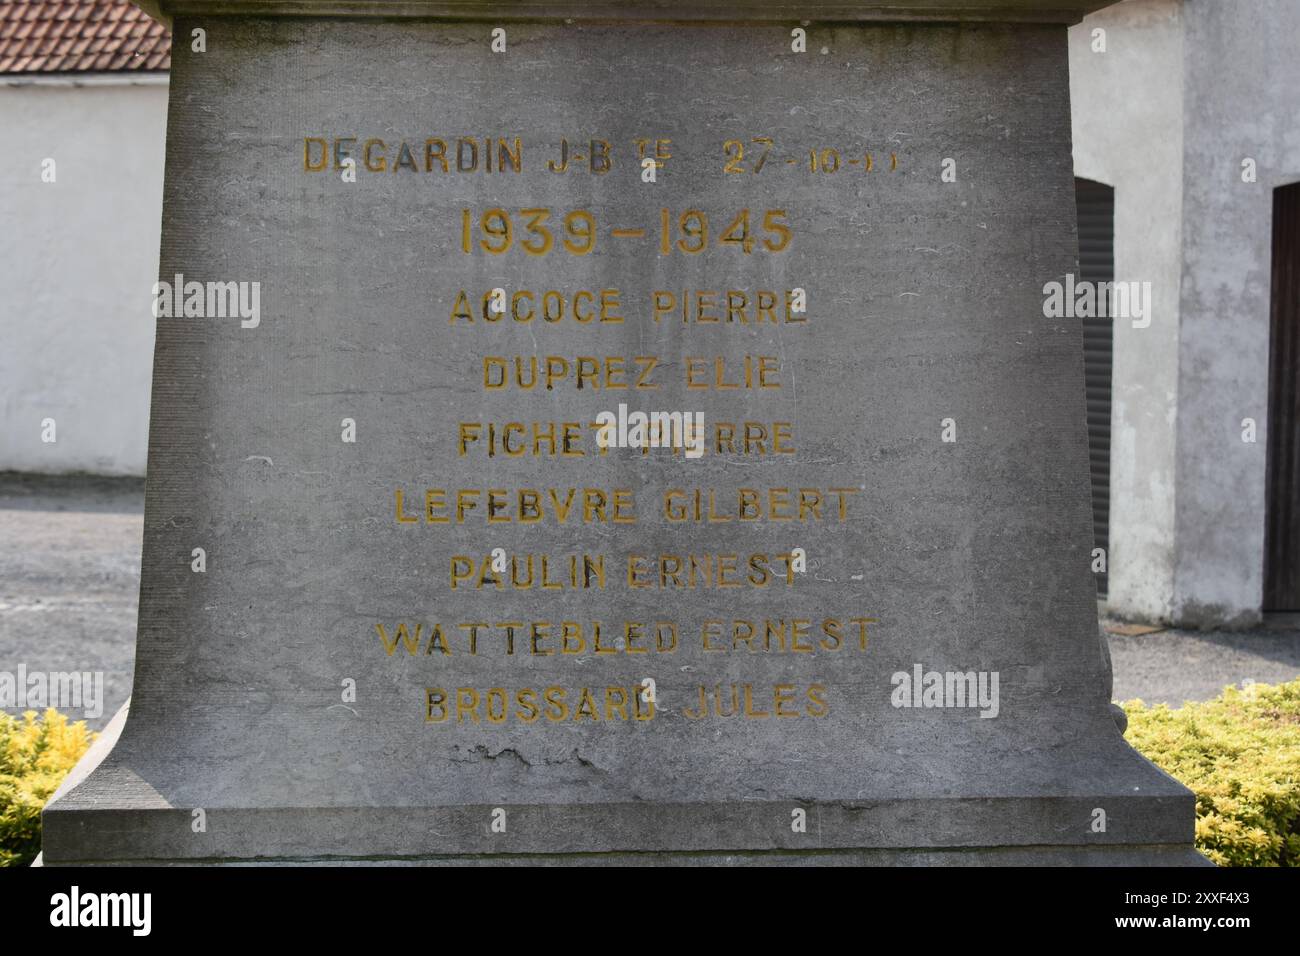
(1186, 91)
(77, 260)
(1242, 95)
(1127, 109)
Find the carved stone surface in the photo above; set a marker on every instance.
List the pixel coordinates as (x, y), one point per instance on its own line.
(783, 718)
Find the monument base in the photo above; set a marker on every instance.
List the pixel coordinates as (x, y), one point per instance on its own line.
(1164, 855)
(107, 814)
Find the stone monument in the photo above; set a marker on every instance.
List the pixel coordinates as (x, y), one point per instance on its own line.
(618, 431)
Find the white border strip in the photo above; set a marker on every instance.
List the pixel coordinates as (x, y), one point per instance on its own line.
(116, 78)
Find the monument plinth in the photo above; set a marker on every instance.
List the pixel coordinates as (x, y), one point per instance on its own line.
(415, 583)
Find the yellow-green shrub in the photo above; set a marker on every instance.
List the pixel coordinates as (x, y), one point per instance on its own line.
(35, 755)
(1240, 755)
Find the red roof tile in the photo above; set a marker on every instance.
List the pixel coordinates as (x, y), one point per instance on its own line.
(80, 36)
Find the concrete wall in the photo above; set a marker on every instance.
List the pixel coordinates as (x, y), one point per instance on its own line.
(1186, 90)
(1242, 99)
(77, 259)
(1127, 111)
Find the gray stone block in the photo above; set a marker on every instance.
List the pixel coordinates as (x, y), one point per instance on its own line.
(924, 304)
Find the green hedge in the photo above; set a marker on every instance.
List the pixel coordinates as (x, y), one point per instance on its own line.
(1240, 755)
(35, 755)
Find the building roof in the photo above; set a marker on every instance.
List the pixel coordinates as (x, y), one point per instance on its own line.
(80, 36)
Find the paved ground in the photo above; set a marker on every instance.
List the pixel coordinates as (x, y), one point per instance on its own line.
(70, 580)
(1176, 666)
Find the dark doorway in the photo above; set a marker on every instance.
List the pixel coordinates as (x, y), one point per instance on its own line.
(1095, 204)
(1282, 495)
